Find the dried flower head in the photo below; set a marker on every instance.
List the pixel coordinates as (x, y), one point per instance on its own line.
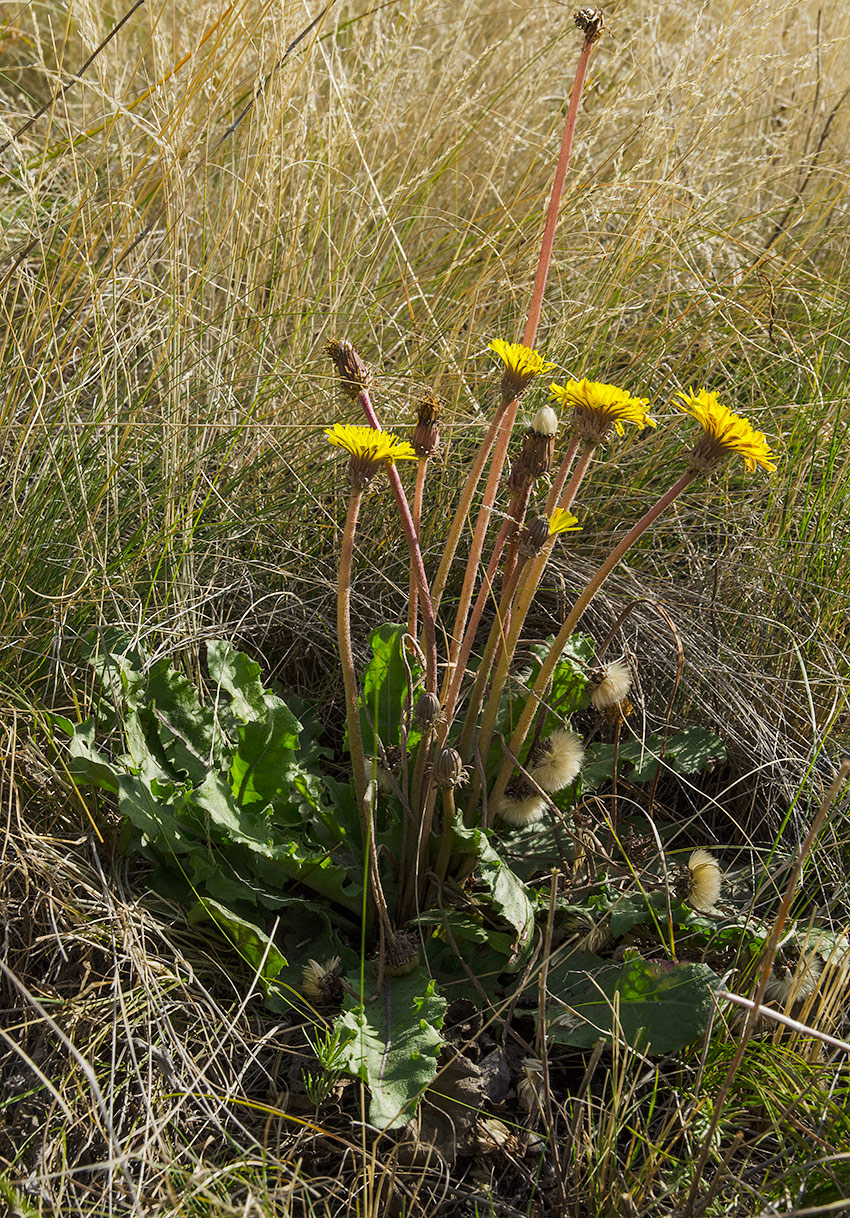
(558, 760)
(534, 459)
(321, 983)
(426, 433)
(493, 1136)
(529, 1090)
(598, 407)
(354, 375)
(522, 365)
(591, 22)
(402, 954)
(370, 450)
(705, 881)
(610, 685)
(725, 434)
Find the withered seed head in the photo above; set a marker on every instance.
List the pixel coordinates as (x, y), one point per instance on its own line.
(354, 374)
(591, 22)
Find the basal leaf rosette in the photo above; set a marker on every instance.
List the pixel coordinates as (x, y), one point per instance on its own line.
(726, 434)
(597, 407)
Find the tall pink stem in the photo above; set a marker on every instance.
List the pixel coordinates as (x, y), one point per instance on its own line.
(555, 198)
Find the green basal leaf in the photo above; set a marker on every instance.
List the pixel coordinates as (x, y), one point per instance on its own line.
(86, 764)
(508, 898)
(385, 689)
(638, 907)
(686, 752)
(394, 1044)
(241, 677)
(654, 1005)
(263, 762)
(253, 944)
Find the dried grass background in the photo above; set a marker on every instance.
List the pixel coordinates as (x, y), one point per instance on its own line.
(183, 228)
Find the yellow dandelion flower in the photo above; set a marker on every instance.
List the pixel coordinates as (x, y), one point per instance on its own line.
(370, 449)
(522, 365)
(599, 407)
(725, 433)
(562, 521)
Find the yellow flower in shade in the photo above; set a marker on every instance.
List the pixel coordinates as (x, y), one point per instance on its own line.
(562, 521)
(522, 365)
(370, 449)
(599, 407)
(725, 433)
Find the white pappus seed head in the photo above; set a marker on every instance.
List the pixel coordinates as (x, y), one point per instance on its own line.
(706, 879)
(523, 811)
(788, 985)
(610, 685)
(558, 761)
(545, 422)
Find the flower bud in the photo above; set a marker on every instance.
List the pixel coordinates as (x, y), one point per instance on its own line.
(534, 536)
(426, 433)
(427, 710)
(448, 768)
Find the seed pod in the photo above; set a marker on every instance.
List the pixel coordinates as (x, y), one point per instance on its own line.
(427, 710)
(448, 768)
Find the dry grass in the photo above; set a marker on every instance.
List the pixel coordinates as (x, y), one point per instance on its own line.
(168, 282)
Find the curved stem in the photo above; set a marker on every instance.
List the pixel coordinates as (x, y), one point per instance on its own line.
(596, 582)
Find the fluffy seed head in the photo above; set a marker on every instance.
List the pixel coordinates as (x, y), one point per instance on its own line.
(525, 810)
(558, 761)
(545, 422)
(705, 881)
(321, 982)
(789, 984)
(610, 685)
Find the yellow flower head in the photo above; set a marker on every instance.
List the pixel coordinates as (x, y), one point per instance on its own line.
(725, 433)
(599, 407)
(522, 365)
(562, 521)
(370, 449)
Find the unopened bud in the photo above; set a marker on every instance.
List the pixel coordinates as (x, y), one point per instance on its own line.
(427, 710)
(534, 537)
(448, 768)
(426, 433)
